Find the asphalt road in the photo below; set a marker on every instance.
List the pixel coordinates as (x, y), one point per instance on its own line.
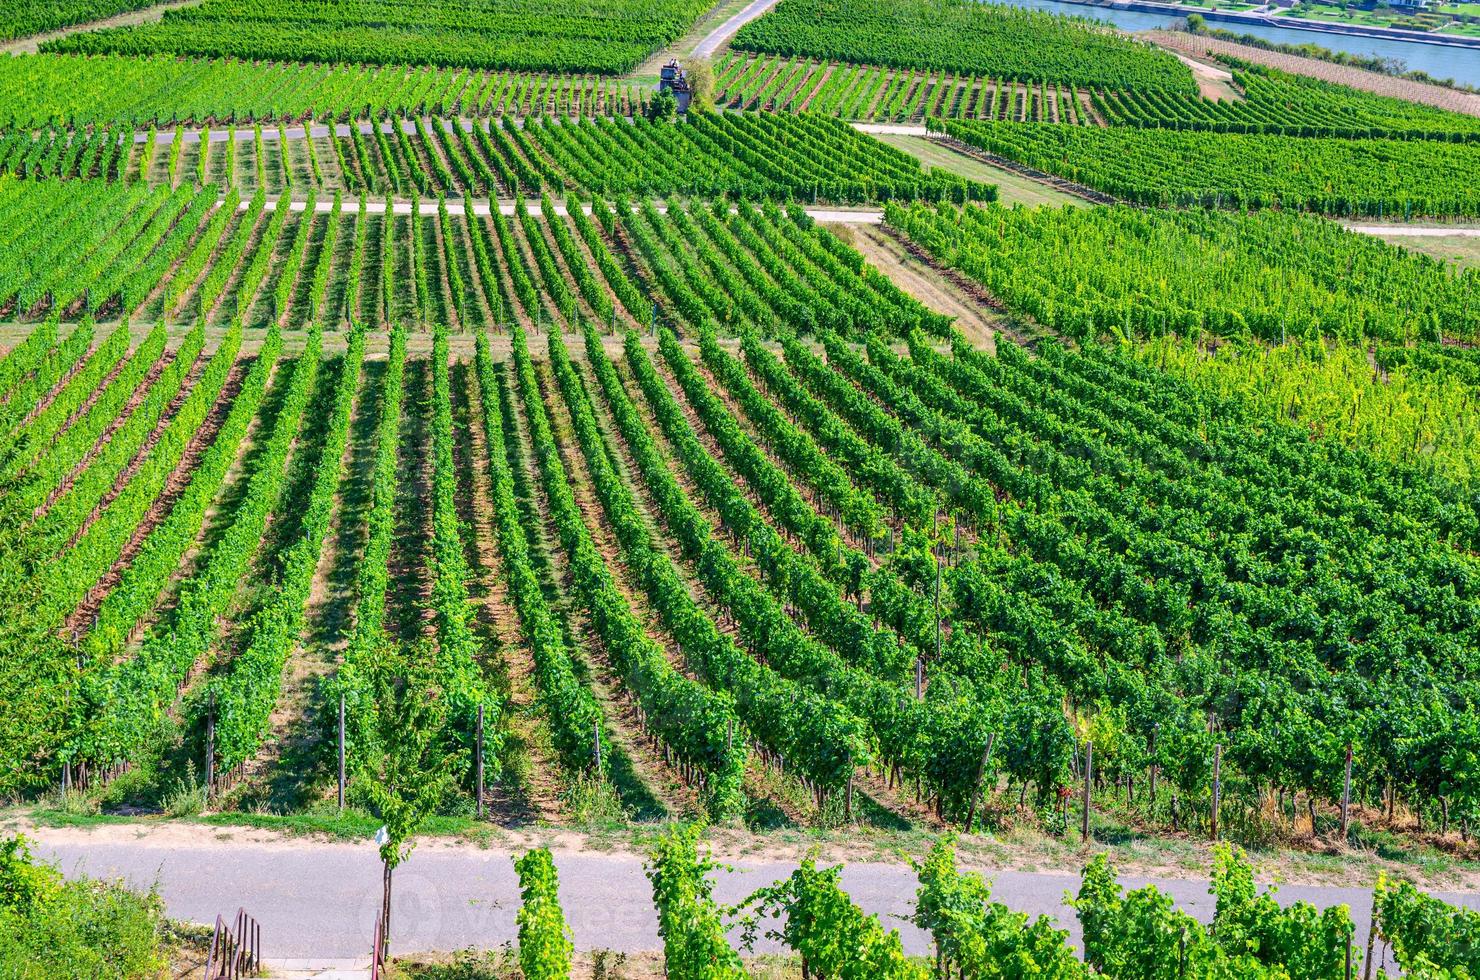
(319, 900)
(717, 38)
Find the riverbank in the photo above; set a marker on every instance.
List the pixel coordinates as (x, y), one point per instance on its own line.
(1203, 47)
(1254, 18)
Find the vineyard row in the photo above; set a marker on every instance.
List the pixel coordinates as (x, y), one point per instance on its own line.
(880, 94)
(93, 90)
(712, 155)
(805, 499)
(1262, 100)
(172, 255)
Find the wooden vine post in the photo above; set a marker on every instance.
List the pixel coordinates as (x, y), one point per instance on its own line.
(341, 753)
(976, 788)
(1089, 776)
(1371, 939)
(1155, 730)
(211, 745)
(478, 764)
(937, 607)
(1217, 785)
(1346, 794)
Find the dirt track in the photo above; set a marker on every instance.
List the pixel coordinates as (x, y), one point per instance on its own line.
(29, 45)
(921, 282)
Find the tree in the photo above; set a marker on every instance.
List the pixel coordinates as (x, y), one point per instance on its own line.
(1196, 23)
(701, 85)
(662, 107)
(414, 770)
(25, 885)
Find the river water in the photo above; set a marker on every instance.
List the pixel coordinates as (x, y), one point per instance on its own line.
(1440, 61)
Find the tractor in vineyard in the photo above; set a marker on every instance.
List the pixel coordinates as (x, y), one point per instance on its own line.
(674, 80)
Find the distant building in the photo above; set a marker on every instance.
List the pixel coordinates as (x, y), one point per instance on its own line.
(674, 79)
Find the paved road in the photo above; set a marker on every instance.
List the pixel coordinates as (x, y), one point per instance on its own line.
(319, 900)
(717, 37)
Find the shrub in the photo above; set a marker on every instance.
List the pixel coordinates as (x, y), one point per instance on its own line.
(79, 929)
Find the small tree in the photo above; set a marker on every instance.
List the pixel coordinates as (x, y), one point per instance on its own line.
(25, 885)
(701, 85)
(662, 107)
(414, 770)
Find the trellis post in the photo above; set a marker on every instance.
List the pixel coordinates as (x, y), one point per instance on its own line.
(1217, 785)
(1346, 794)
(1089, 777)
(341, 752)
(211, 744)
(478, 762)
(976, 788)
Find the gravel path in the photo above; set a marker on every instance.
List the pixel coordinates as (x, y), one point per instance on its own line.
(318, 900)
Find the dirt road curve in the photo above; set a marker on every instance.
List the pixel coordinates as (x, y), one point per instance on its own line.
(29, 45)
(318, 900)
(717, 37)
(1199, 46)
(918, 280)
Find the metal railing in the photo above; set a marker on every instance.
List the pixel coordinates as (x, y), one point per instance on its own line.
(377, 954)
(236, 952)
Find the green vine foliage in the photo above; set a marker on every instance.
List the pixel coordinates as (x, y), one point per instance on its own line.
(1139, 935)
(1430, 938)
(835, 938)
(25, 885)
(78, 929)
(978, 938)
(1309, 943)
(694, 944)
(544, 940)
